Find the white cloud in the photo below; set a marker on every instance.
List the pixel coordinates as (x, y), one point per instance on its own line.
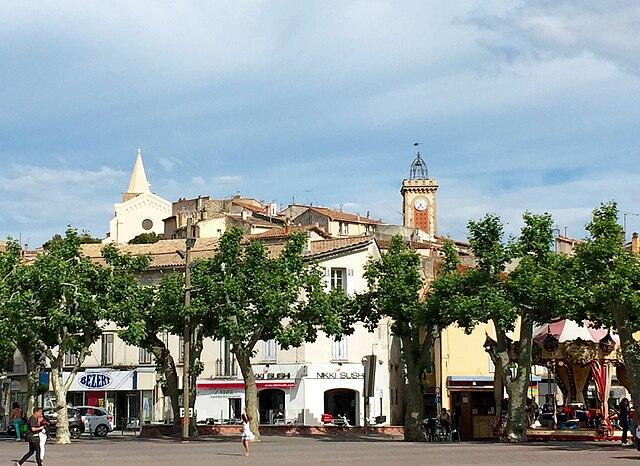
(167, 164)
(38, 201)
(227, 179)
(605, 30)
(198, 181)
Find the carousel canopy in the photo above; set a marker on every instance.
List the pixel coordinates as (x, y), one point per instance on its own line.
(565, 330)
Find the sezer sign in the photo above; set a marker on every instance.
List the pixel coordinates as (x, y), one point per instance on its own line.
(94, 380)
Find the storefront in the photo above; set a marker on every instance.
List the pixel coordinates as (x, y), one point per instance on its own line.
(126, 394)
(473, 405)
(296, 394)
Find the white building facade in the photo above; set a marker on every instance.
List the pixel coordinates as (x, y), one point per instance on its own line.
(140, 211)
(300, 385)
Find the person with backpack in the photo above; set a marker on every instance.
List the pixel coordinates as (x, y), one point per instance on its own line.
(33, 437)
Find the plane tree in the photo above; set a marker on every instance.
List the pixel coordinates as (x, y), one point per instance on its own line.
(609, 277)
(245, 294)
(512, 286)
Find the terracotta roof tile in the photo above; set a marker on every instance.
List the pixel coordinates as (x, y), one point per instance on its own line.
(284, 232)
(163, 253)
(344, 216)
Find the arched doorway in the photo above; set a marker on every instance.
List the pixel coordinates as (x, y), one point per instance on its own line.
(342, 402)
(270, 405)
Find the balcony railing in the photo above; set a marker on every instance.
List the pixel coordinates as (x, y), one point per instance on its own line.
(226, 368)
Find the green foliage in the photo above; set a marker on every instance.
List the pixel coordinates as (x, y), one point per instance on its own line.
(608, 275)
(245, 295)
(146, 238)
(10, 271)
(395, 283)
(57, 239)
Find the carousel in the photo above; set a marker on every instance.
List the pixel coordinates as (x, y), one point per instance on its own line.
(577, 355)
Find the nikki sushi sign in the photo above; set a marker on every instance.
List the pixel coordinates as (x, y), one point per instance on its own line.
(104, 380)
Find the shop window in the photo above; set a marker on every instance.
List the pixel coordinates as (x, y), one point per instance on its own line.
(339, 349)
(107, 349)
(144, 356)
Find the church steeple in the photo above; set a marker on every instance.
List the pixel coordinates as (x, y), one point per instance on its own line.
(138, 183)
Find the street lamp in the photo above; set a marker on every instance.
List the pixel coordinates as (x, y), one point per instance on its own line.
(186, 343)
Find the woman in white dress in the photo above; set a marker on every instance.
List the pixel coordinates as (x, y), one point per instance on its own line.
(247, 435)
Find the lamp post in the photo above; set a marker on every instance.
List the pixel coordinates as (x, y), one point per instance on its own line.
(186, 343)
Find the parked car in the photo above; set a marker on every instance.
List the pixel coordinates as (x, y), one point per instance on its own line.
(76, 424)
(96, 420)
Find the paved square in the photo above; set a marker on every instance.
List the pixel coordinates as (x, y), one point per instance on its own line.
(125, 451)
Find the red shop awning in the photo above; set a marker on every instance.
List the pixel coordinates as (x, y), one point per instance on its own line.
(239, 385)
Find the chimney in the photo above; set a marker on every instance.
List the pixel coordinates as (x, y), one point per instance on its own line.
(635, 243)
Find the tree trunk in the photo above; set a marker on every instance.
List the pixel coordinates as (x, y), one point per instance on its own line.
(516, 377)
(250, 391)
(33, 378)
(168, 369)
(630, 351)
(498, 395)
(62, 418)
(413, 393)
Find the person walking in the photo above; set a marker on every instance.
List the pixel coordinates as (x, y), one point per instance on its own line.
(247, 435)
(33, 437)
(623, 419)
(16, 418)
(43, 436)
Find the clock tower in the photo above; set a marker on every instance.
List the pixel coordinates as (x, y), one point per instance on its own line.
(419, 198)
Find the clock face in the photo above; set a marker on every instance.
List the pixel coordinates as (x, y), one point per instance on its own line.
(421, 204)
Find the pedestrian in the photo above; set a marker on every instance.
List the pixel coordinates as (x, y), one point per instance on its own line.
(43, 436)
(623, 419)
(16, 418)
(32, 436)
(247, 435)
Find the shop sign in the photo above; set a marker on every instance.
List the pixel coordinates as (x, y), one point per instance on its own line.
(224, 393)
(103, 380)
(273, 376)
(94, 381)
(340, 375)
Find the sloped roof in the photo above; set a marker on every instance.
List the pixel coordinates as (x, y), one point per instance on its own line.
(164, 254)
(284, 232)
(344, 216)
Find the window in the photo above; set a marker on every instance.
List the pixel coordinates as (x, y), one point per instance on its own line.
(338, 279)
(144, 356)
(147, 224)
(181, 351)
(343, 228)
(269, 350)
(339, 349)
(70, 359)
(107, 349)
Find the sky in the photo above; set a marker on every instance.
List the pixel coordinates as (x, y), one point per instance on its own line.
(518, 105)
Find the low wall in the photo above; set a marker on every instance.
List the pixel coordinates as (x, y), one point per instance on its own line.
(164, 430)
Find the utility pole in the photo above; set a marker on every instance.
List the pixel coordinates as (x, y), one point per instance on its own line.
(186, 337)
